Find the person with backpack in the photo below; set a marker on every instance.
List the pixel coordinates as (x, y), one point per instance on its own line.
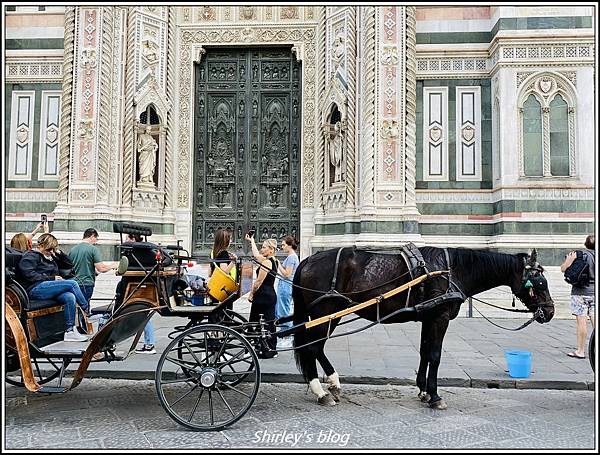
(578, 269)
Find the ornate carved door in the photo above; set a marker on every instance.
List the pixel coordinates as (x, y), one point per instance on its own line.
(247, 145)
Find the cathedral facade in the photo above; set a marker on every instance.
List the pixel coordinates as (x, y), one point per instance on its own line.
(342, 125)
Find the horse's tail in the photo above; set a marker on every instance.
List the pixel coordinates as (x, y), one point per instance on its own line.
(302, 356)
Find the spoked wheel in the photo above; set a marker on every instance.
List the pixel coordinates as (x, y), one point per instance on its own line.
(592, 350)
(45, 369)
(234, 370)
(208, 377)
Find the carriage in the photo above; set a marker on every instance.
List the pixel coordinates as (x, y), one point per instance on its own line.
(208, 376)
(215, 351)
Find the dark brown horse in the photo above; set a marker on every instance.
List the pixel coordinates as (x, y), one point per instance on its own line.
(359, 275)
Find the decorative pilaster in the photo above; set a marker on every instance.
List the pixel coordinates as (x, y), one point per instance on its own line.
(171, 73)
(410, 121)
(320, 161)
(368, 104)
(129, 120)
(104, 108)
(66, 107)
(351, 96)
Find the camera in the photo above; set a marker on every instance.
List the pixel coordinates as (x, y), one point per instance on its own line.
(251, 232)
(44, 218)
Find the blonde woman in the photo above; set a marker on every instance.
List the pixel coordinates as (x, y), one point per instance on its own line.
(24, 242)
(262, 295)
(42, 281)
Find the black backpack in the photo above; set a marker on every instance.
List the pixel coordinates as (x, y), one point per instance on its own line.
(578, 273)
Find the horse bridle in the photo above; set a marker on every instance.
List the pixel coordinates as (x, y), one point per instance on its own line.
(533, 279)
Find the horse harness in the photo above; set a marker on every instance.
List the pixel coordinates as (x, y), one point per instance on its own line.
(416, 267)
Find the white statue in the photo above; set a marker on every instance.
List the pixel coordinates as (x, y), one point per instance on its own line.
(336, 151)
(147, 147)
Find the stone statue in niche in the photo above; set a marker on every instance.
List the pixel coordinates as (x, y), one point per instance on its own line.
(240, 196)
(253, 196)
(294, 232)
(200, 197)
(241, 152)
(211, 234)
(265, 234)
(265, 165)
(147, 148)
(336, 152)
(239, 232)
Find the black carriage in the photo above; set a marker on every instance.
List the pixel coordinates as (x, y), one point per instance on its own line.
(213, 353)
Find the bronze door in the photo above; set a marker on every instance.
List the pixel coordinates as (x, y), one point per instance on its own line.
(247, 145)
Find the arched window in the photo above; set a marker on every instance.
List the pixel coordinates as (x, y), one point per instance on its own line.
(547, 126)
(532, 137)
(559, 136)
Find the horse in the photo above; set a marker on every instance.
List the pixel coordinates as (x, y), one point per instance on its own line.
(356, 275)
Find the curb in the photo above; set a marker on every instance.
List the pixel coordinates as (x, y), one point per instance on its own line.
(370, 380)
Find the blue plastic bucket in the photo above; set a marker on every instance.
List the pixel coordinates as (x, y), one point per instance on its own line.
(198, 300)
(519, 363)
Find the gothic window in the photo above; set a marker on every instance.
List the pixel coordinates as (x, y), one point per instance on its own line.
(559, 137)
(532, 137)
(547, 127)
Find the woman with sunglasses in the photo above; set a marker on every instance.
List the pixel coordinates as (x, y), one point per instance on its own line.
(43, 282)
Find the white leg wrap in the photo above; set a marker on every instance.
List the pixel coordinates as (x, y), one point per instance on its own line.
(334, 380)
(315, 387)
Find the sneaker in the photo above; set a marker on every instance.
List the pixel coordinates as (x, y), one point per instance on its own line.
(72, 335)
(146, 349)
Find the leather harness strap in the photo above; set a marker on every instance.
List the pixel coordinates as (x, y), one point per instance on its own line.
(335, 270)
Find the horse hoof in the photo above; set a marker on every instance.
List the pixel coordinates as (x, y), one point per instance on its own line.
(439, 404)
(326, 400)
(424, 396)
(335, 392)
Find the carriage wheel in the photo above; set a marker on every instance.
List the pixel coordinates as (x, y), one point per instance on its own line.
(234, 320)
(592, 350)
(195, 384)
(45, 369)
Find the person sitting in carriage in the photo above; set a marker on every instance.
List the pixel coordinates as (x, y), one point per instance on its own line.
(219, 252)
(40, 276)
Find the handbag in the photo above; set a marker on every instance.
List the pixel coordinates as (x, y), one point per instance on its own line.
(66, 268)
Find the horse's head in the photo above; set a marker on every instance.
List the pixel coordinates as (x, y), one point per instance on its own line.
(532, 289)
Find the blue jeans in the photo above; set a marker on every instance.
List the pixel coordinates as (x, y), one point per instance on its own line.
(66, 292)
(149, 333)
(284, 300)
(87, 291)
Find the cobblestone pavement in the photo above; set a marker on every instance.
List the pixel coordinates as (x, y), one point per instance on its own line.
(126, 414)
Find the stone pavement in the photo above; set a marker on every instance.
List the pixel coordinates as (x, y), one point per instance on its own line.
(123, 414)
(473, 352)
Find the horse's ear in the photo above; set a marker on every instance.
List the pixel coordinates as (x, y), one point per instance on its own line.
(533, 257)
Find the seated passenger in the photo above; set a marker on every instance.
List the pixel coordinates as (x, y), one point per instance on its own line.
(23, 242)
(40, 277)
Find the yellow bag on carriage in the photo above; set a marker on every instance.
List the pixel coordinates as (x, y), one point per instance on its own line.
(220, 285)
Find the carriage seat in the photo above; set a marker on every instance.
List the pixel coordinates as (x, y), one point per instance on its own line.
(13, 257)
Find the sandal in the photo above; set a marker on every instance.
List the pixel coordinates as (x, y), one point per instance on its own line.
(573, 354)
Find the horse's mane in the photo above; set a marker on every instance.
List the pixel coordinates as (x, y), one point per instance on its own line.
(482, 265)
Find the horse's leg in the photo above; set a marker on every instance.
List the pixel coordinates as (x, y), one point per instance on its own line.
(422, 373)
(435, 329)
(308, 358)
(332, 377)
